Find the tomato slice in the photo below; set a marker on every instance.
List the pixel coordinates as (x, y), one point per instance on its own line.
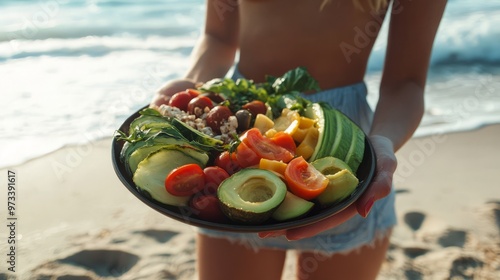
(185, 180)
(284, 140)
(264, 147)
(245, 156)
(214, 175)
(304, 180)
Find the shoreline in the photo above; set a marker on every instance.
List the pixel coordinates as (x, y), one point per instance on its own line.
(109, 139)
(75, 217)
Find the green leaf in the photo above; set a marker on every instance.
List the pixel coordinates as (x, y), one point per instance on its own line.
(297, 79)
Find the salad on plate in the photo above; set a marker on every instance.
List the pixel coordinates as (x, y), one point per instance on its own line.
(242, 153)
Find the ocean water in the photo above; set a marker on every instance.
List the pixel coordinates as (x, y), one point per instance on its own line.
(72, 71)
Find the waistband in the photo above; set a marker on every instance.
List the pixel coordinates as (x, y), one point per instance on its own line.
(349, 99)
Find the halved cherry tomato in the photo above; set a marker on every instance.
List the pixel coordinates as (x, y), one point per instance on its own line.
(228, 162)
(245, 156)
(304, 180)
(185, 180)
(264, 147)
(214, 175)
(284, 140)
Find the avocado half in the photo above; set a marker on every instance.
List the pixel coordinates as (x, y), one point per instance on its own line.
(341, 180)
(250, 196)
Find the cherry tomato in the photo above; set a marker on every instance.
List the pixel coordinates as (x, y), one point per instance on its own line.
(255, 107)
(206, 207)
(304, 180)
(180, 100)
(264, 147)
(214, 175)
(228, 162)
(284, 140)
(185, 180)
(217, 116)
(245, 156)
(193, 92)
(200, 102)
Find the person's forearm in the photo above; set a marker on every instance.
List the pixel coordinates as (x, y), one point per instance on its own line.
(398, 113)
(211, 58)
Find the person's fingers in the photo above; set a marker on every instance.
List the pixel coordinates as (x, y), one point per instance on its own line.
(381, 185)
(158, 100)
(328, 223)
(163, 94)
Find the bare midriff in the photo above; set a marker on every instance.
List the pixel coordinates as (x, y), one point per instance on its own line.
(333, 43)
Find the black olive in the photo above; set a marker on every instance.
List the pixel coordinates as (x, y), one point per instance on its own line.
(244, 118)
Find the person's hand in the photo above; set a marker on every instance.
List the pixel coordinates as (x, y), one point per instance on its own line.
(379, 188)
(170, 88)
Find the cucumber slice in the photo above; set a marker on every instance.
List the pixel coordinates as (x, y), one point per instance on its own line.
(144, 122)
(152, 171)
(357, 149)
(142, 152)
(343, 137)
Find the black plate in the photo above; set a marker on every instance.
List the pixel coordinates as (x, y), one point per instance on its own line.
(365, 174)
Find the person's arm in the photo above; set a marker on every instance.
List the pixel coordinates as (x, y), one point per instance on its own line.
(412, 30)
(400, 107)
(214, 52)
(411, 36)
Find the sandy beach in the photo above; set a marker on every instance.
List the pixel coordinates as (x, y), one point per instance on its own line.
(75, 220)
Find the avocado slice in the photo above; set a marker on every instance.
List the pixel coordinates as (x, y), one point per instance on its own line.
(340, 186)
(330, 165)
(251, 195)
(292, 207)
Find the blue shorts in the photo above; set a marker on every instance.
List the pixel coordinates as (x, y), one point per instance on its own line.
(355, 232)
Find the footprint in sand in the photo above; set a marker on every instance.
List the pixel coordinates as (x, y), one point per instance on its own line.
(414, 220)
(74, 277)
(495, 208)
(464, 267)
(413, 274)
(453, 238)
(413, 252)
(104, 263)
(399, 191)
(161, 236)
